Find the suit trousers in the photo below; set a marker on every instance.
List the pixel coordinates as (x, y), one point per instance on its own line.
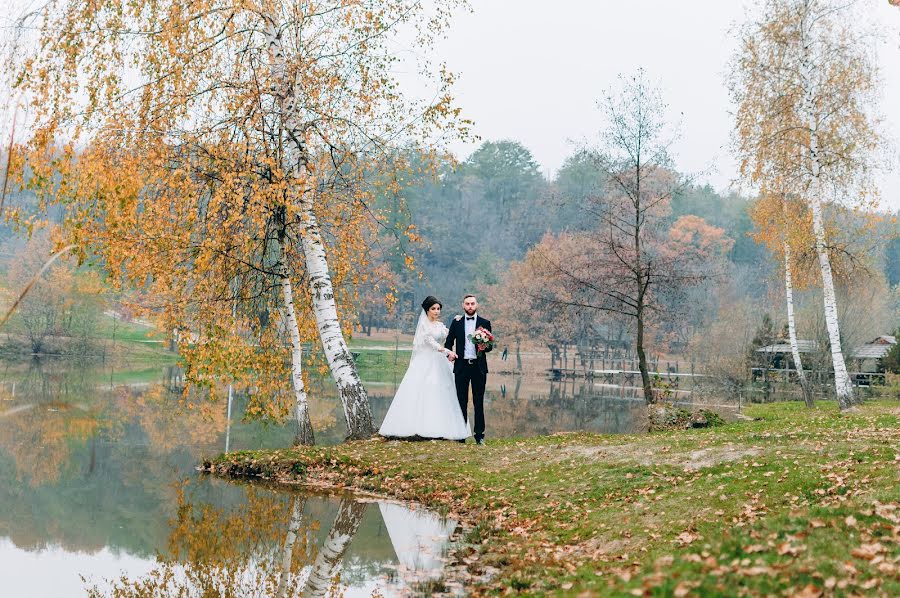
(466, 374)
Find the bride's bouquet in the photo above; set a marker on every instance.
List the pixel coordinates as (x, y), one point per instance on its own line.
(482, 339)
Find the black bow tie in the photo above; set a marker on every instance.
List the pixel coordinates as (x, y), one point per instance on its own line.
(470, 317)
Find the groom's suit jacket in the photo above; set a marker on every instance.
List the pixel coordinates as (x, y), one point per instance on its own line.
(457, 335)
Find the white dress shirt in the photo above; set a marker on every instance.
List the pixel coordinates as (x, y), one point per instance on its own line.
(470, 352)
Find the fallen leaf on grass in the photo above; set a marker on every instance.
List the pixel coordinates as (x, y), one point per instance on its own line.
(887, 511)
(872, 583)
(810, 591)
(664, 561)
(757, 570)
(788, 548)
(867, 551)
(685, 538)
(684, 588)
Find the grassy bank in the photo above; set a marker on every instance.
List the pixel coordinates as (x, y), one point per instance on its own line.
(795, 501)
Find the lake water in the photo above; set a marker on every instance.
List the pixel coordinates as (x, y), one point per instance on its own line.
(98, 490)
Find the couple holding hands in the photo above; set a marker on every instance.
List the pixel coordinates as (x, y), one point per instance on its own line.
(433, 397)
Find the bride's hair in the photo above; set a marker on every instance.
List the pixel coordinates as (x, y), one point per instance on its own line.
(430, 301)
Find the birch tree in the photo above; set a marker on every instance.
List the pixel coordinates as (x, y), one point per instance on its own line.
(777, 223)
(223, 146)
(804, 82)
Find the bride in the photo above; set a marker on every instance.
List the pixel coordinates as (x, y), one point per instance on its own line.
(425, 405)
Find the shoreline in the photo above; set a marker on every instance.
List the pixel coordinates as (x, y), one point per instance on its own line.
(454, 573)
(761, 505)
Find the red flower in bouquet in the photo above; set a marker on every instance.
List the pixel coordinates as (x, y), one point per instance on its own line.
(482, 339)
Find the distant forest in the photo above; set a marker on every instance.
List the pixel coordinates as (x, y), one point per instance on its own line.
(473, 219)
(452, 228)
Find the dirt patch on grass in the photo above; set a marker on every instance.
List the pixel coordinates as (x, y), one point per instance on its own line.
(709, 457)
(637, 453)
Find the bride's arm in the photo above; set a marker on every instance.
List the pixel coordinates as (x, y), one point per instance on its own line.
(431, 342)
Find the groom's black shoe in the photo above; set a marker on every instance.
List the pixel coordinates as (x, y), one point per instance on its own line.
(480, 442)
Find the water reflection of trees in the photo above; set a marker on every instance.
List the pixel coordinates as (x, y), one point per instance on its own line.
(566, 407)
(326, 570)
(46, 379)
(268, 544)
(215, 550)
(42, 421)
(80, 459)
(250, 540)
(61, 411)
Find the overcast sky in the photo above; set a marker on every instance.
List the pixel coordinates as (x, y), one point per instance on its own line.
(533, 70)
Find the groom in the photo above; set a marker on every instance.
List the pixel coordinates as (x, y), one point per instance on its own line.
(471, 366)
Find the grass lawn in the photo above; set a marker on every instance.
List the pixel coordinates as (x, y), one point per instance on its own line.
(381, 366)
(798, 502)
(363, 342)
(121, 330)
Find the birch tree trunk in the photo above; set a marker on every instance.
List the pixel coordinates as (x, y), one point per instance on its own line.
(330, 558)
(843, 388)
(353, 395)
(792, 327)
(842, 385)
(301, 405)
(354, 399)
(288, 554)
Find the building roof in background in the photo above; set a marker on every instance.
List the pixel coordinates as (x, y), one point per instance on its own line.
(802, 346)
(877, 349)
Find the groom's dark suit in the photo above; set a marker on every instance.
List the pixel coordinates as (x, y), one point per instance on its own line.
(468, 371)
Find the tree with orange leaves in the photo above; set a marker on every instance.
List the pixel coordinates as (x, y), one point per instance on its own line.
(224, 146)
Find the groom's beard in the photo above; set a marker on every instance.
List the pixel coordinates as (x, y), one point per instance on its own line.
(470, 313)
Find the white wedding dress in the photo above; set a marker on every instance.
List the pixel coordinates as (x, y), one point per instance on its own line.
(425, 404)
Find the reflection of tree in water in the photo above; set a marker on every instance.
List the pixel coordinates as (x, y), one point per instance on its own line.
(563, 409)
(50, 379)
(60, 409)
(219, 551)
(287, 560)
(327, 568)
(40, 441)
(39, 435)
(167, 421)
(260, 547)
(135, 443)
